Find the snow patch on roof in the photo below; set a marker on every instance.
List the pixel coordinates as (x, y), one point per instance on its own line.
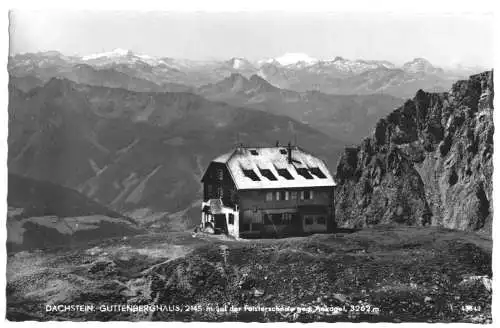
(223, 158)
(273, 159)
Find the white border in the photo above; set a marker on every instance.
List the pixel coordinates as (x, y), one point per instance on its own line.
(393, 6)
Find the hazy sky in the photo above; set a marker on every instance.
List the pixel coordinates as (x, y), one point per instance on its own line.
(442, 39)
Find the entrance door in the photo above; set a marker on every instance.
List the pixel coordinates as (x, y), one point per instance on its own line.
(296, 223)
(220, 223)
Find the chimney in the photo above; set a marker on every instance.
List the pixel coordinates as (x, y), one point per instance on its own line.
(289, 150)
(277, 143)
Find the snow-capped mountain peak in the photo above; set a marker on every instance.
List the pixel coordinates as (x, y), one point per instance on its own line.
(120, 55)
(292, 58)
(341, 64)
(118, 52)
(420, 65)
(239, 63)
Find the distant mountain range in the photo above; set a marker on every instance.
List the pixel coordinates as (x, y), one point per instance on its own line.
(343, 117)
(293, 71)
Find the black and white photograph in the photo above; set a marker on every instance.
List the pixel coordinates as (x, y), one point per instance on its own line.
(249, 166)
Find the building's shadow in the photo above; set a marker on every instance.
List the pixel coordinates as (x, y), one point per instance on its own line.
(289, 235)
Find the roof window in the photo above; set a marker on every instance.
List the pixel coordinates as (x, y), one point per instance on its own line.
(254, 152)
(268, 174)
(285, 174)
(305, 173)
(317, 172)
(251, 174)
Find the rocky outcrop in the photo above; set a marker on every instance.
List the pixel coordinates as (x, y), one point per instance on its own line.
(428, 162)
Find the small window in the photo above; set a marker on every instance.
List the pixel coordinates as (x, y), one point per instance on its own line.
(220, 174)
(283, 195)
(254, 152)
(287, 195)
(269, 197)
(306, 194)
(321, 220)
(220, 192)
(233, 195)
(278, 195)
(294, 195)
(283, 151)
(231, 218)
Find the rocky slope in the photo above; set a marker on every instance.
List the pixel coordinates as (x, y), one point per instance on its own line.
(383, 274)
(429, 161)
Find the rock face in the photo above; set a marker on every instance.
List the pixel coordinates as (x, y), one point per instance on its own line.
(428, 162)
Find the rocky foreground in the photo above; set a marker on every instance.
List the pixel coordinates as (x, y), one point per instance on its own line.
(428, 162)
(387, 273)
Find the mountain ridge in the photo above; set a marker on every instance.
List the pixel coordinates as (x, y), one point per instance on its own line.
(336, 76)
(286, 59)
(428, 162)
(345, 117)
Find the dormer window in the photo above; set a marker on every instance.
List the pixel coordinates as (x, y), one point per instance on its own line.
(254, 152)
(268, 174)
(251, 174)
(317, 172)
(285, 174)
(305, 173)
(283, 151)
